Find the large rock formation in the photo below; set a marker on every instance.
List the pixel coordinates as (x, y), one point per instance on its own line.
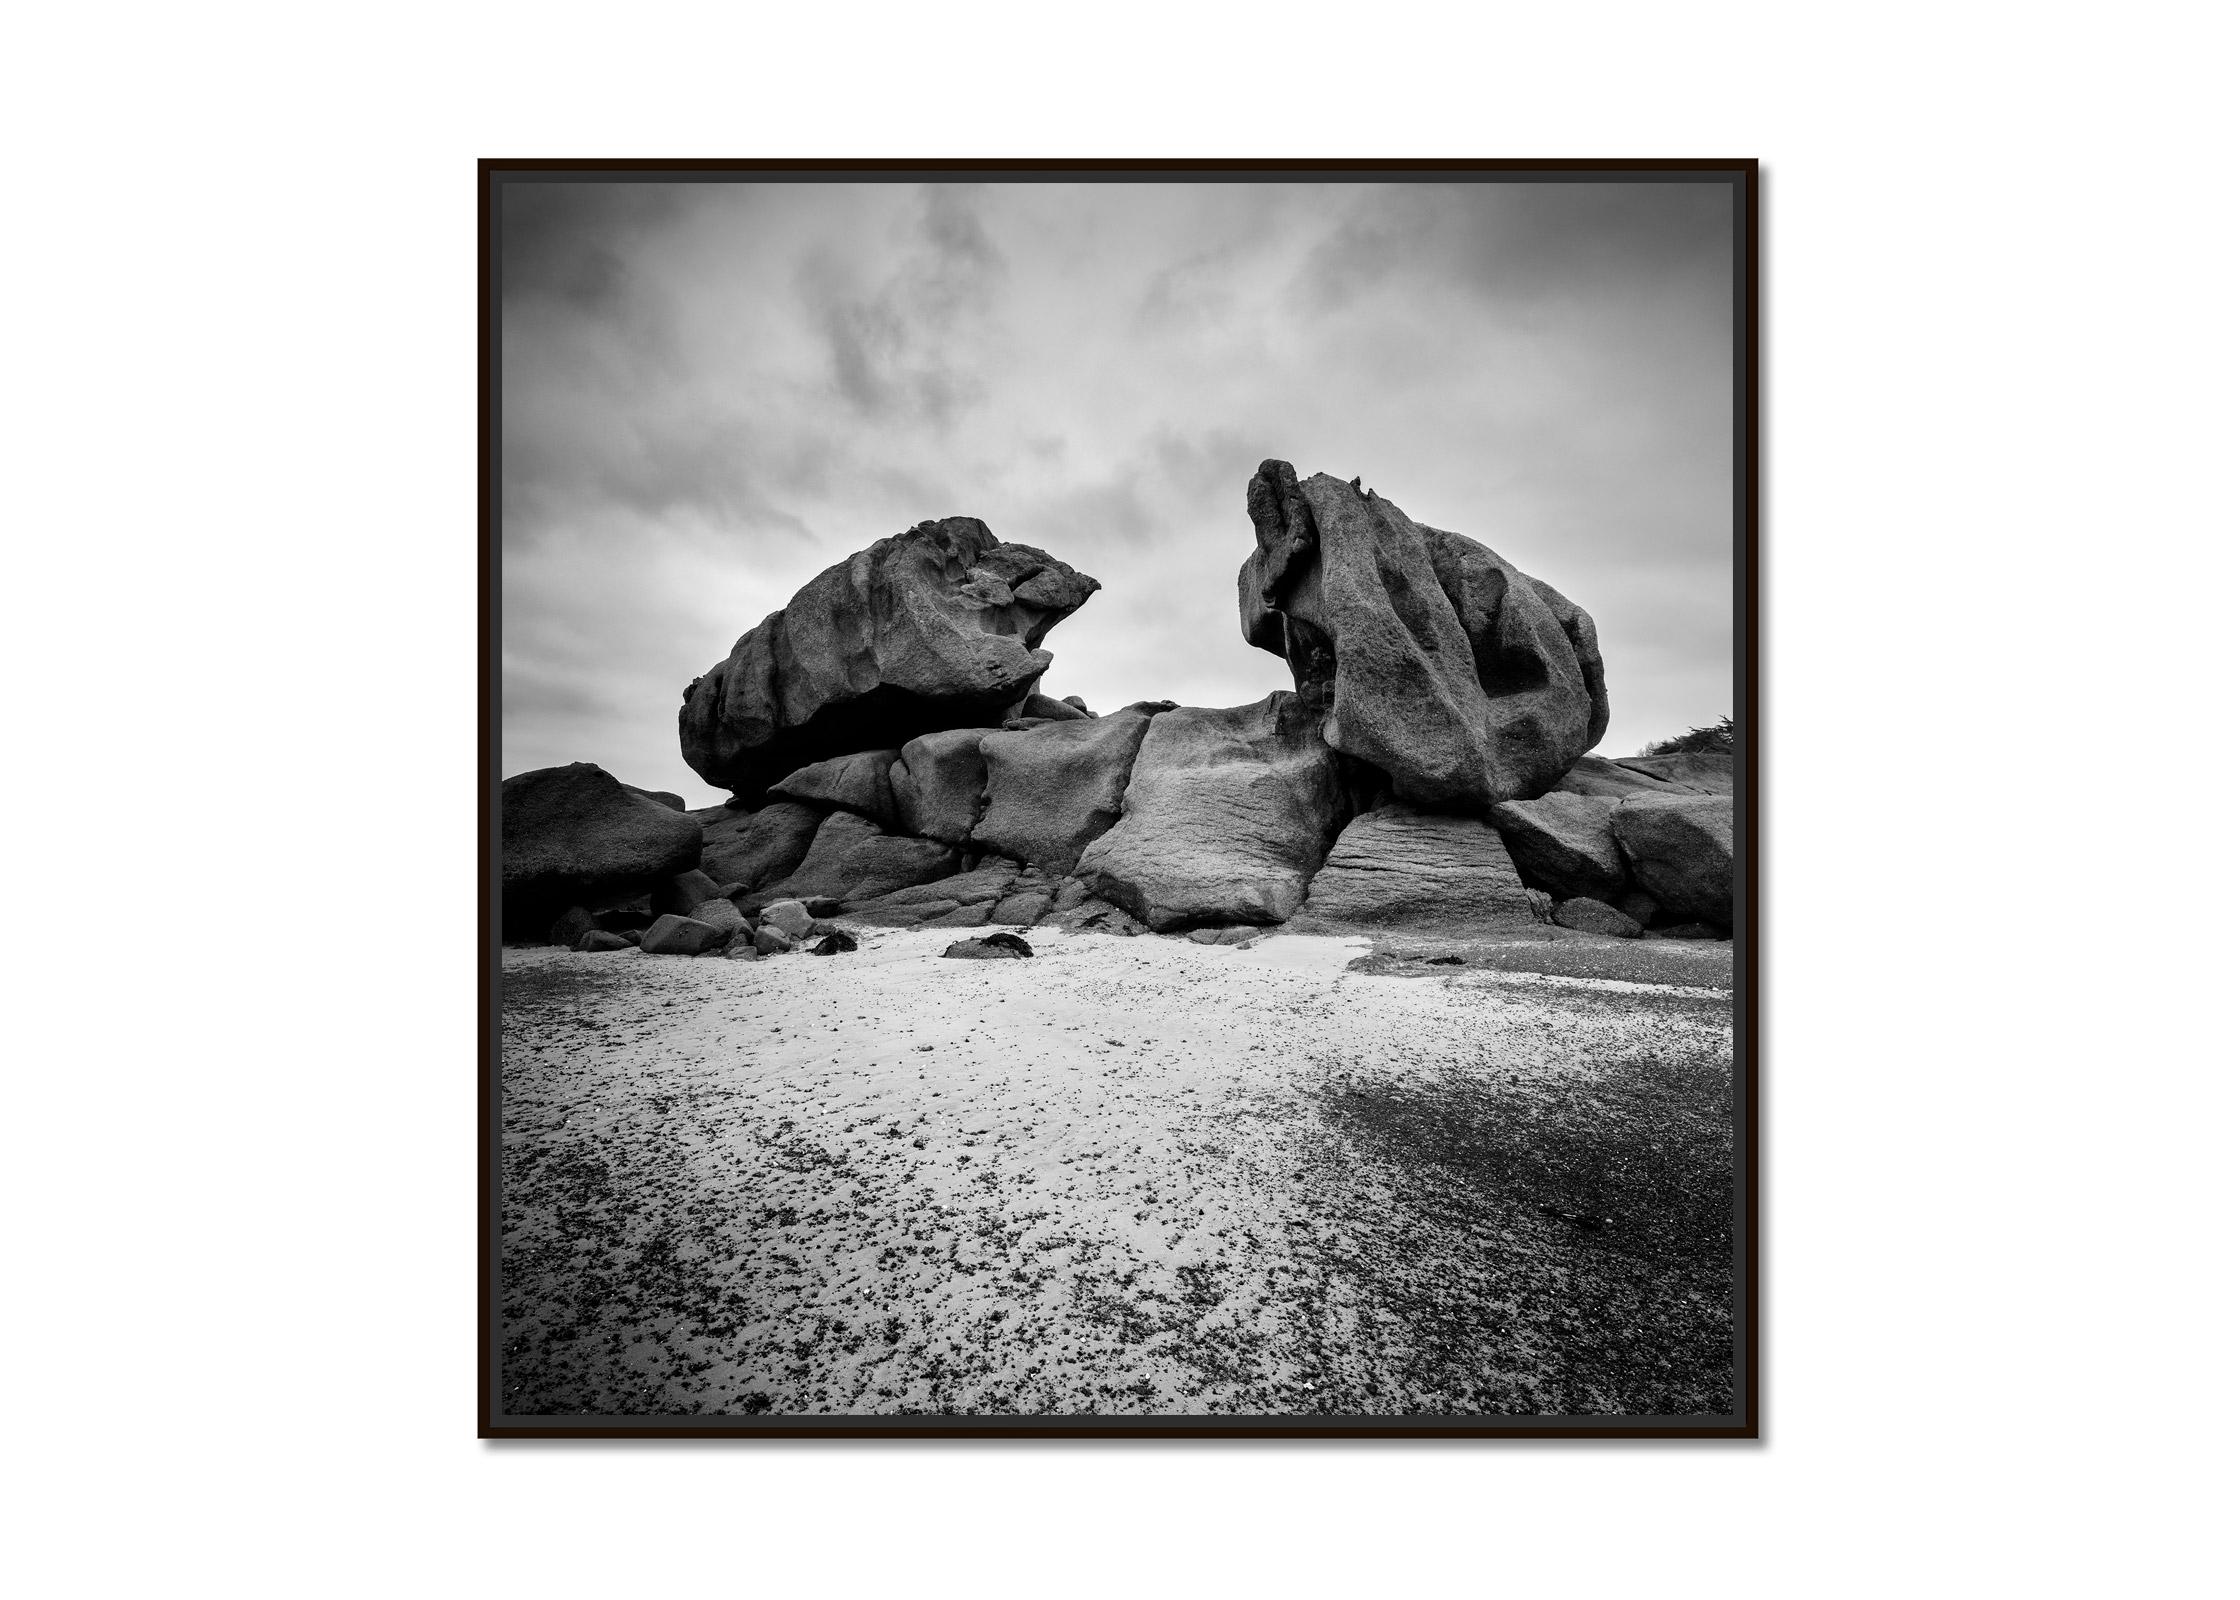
(851, 860)
(1055, 787)
(1401, 867)
(1228, 814)
(937, 627)
(855, 783)
(574, 836)
(1680, 848)
(1632, 775)
(1428, 656)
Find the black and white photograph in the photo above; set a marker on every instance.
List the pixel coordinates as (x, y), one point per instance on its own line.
(1119, 798)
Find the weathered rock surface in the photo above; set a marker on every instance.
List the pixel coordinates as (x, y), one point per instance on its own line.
(598, 939)
(755, 848)
(1022, 910)
(1049, 710)
(1402, 867)
(771, 942)
(855, 783)
(1595, 775)
(1695, 771)
(672, 935)
(1054, 788)
(1593, 916)
(1430, 657)
(851, 860)
(720, 914)
(1562, 843)
(1680, 847)
(570, 927)
(1227, 815)
(1092, 915)
(574, 836)
(675, 802)
(1638, 904)
(937, 627)
(937, 784)
(680, 892)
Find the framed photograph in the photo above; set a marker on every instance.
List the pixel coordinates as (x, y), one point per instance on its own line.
(1119, 798)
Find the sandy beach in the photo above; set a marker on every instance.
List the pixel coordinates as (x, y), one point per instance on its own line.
(1129, 1175)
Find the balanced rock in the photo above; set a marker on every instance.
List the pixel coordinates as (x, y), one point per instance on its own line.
(1563, 843)
(755, 848)
(1427, 655)
(1593, 916)
(855, 783)
(937, 627)
(1227, 815)
(1406, 868)
(1053, 788)
(938, 782)
(1680, 848)
(573, 836)
(672, 935)
(850, 860)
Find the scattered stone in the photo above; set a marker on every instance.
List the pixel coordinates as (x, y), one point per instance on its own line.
(1680, 848)
(1227, 815)
(597, 939)
(1562, 843)
(838, 942)
(1593, 916)
(771, 942)
(573, 924)
(573, 836)
(789, 917)
(672, 935)
(995, 947)
(1427, 655)
(1054, 788)
(937, 627)
(1402, 867)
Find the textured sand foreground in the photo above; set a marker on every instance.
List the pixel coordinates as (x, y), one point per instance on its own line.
(1130, 1175)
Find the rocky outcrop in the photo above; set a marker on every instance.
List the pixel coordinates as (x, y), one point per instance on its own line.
(1400, 866)
(574, 836)
(1427, 655)
(1227, 815)
(855, 783)
(851, 860)
(757, 847)
(938, 784)
(1683, 774)
(1680, 847)
(1051, 789)
(970, 897)
(938, 627)
(673, 935)
(1562, 843)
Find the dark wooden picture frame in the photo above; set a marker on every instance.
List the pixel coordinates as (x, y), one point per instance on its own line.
(1743, 1422)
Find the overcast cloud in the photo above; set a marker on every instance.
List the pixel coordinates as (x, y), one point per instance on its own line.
(712, 391)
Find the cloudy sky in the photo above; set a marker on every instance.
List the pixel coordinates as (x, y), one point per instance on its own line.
(712, 391)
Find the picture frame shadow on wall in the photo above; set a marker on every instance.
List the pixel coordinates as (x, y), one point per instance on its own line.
(1119, 799)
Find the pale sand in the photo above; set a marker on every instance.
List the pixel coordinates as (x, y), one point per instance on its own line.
(1129, 1175)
